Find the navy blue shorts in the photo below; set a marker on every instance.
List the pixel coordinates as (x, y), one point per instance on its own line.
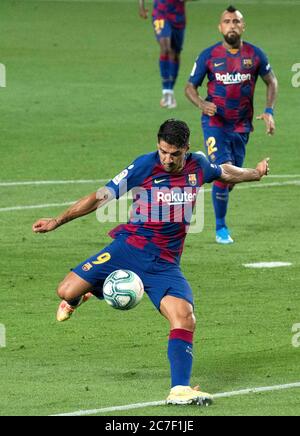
(222, 147)
(160, 278)
(165, 29)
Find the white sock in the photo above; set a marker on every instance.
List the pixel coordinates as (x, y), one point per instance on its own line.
(168, 92)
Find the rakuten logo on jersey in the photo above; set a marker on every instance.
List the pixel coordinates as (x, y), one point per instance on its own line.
(173, 198)
(155, 206)
(233, 79)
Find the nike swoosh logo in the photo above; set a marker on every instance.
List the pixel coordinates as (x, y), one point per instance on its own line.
(157, 182)
(219, 65)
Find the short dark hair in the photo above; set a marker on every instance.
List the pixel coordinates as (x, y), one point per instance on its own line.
(231, 9)
(174, 132)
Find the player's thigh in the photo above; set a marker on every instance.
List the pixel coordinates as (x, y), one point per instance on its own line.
(163, 33)
(171, 294)
(177, 41)
(91, 273)
(73, 286)
(239, 148)
(217, 145)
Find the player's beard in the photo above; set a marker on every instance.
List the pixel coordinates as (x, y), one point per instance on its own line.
(233, 39)
(174, 168)
(170, 168)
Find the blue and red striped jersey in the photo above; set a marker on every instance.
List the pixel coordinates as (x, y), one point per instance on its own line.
(171, 10)
(232, 76)
(163, 203)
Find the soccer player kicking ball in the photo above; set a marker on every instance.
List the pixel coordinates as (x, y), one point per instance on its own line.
(166, 184)
(232, 68)
(169, 27)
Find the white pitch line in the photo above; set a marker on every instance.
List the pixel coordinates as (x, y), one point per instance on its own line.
(113, 409)
(283, 176)
(82, 182)
(268, 185)
(258, 390)
(262, 185)
(162, 403)
(264, 265)
(51, 182)
(36, 206)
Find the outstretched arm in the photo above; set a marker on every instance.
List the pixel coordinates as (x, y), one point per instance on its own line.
(232, 174)
(272, 92)
(81, 208)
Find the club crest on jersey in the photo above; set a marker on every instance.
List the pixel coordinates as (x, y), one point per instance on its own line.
(247, 63)
(193, 179)
(87, 267)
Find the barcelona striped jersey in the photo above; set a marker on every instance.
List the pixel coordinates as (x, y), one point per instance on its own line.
(163, 203)
(232, 77)
(170, 10)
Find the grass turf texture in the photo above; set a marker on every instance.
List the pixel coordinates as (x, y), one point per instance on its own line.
(81, 102)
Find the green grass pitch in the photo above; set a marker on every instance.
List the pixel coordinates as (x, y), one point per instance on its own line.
(81, 102)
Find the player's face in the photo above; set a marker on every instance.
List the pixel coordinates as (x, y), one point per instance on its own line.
(232, 26)
(172, 158)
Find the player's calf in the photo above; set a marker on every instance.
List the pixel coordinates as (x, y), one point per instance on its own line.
(73, 287)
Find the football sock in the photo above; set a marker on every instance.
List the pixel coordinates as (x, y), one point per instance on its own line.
(220, 195)
(97, 291)
(164, 66)
(180, 353)
(174, 70)
(74, 302)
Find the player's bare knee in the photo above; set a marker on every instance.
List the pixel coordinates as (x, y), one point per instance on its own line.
(61, 291)
(173, 56)
(190, 322)
(185, 321)
(165, 48)
(65, 291)
(194, 323)
(164, 52)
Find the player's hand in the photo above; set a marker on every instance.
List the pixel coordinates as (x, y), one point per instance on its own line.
(264, 167)
(269, 121)
(144, 13)
(45, 225)
(209, 108)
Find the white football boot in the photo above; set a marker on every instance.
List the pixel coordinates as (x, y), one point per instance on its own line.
(184, 395)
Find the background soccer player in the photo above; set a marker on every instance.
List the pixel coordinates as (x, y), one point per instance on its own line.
(232, 68)
(152, 242)
(169, 25)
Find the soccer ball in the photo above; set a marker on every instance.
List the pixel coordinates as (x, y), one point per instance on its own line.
(123, 290)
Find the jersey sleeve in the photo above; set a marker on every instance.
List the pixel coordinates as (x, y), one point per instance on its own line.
(264, 64)
(131, 177)
(200, 69)
(211, 171)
